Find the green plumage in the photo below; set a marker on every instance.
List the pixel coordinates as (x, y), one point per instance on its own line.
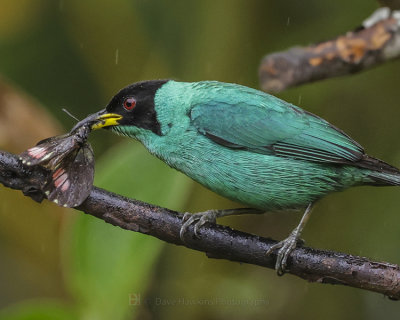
(250, 146)
(245, 145)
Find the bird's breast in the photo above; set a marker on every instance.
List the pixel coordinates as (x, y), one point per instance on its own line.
(263, 181)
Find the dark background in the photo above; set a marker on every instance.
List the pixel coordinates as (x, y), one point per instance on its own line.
(61, 264)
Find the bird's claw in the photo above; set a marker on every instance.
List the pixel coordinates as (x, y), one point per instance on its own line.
(285, 249)
(199, 219)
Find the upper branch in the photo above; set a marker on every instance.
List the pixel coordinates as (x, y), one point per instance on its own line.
(215, 240)
(376, 42)
(392, 4)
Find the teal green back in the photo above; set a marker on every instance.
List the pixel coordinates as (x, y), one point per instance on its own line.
(263, 123)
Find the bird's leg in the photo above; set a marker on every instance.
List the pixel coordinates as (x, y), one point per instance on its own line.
(201, 218)
(289, 244)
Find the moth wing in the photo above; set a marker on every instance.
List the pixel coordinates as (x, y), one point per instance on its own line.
(51, 150)
(71, 181)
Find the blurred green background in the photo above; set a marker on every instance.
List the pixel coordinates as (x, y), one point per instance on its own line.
(62, 264)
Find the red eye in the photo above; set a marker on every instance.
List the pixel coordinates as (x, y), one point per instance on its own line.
(129, 103)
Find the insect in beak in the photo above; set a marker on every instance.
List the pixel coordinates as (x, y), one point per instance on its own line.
(69, 160)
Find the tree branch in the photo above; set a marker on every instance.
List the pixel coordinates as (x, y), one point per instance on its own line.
(215, 240)
(392, 4)
(376, 42)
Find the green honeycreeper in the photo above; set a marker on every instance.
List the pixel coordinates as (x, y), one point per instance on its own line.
(243, 144)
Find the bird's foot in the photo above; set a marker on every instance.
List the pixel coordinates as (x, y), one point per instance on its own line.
(285, 247)
(198, 219)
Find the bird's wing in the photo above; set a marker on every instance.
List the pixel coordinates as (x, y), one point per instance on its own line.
(257, 122)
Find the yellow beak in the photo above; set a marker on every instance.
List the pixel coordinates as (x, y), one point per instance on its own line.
(106, 120)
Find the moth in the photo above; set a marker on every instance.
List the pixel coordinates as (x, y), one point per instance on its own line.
(69, 159)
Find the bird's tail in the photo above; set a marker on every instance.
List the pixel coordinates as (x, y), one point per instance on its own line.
(380, 172)
(384, 179)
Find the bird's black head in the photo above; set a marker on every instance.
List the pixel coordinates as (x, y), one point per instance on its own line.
(132, 106)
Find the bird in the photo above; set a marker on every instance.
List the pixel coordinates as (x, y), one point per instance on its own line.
(244, 144)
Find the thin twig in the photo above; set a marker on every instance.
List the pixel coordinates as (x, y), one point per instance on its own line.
(376, 42)
(216, 241)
